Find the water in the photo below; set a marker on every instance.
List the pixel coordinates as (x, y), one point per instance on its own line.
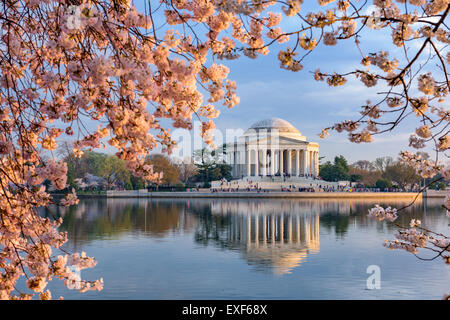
(248, 249)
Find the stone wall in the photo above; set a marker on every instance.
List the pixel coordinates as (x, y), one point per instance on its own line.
(305, 195)
(436, 193)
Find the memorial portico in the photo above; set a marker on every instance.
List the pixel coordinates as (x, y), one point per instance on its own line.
(273, 147)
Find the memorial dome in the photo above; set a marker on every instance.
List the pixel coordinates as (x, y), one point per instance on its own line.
(275, 123)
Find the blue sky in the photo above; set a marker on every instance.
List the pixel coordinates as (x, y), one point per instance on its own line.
(268, 91)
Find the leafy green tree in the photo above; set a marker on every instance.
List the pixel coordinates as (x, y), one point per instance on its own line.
(383, 183)
(93, 162)
(335, 172)
(137, 183)
(113, 170)
(205, 156)
(210, 165)
(438, 186)
(223, 171)
(109, 167)
(356, 178)
(213, 171)
(326, 171)
(128, 185)
(441, 186)
(341, 166)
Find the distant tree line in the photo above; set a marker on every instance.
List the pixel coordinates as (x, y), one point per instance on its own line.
(99, 171)
(382, 173)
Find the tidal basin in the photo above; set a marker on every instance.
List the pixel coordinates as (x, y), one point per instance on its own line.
(248, 249)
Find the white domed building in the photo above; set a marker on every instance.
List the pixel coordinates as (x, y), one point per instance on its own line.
(271, 148)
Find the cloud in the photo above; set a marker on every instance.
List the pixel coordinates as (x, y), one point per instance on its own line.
(391, 138)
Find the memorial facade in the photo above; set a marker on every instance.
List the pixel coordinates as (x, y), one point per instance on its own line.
(273, 147)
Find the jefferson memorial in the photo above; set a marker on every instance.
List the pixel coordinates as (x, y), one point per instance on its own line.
(271, 148)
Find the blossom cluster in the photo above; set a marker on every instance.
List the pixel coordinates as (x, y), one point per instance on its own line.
(424, 167)
(109, 63)
(380, 213)
(416, 237)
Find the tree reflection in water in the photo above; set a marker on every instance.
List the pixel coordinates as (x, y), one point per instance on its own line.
(271, 235)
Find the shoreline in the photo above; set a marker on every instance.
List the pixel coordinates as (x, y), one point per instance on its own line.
(272, 194)
(262, 195)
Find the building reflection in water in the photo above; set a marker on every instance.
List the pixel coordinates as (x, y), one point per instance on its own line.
(269, 235)
(280, 241)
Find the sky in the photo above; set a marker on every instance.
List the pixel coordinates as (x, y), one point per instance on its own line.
(267, 91)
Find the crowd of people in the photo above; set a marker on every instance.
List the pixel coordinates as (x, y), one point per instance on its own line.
(252, 186)
(233, 186)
